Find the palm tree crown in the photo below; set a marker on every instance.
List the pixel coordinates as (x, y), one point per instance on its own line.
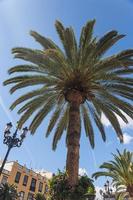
(120, 170)
(75, 83)
(80, 69)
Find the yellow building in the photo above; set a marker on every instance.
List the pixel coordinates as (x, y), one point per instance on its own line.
(27, 181)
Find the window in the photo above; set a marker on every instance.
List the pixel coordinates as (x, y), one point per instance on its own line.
(4, 179)
(21, 195)
(25, 180)
(30, 196)
(17, 178)
(33, 185)
(40, 187)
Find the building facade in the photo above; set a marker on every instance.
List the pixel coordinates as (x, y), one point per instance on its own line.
(27, 181)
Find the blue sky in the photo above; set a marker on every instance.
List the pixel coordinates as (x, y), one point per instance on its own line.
(17, 18)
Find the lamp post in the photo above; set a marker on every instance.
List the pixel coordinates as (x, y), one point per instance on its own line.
(107, 193)
(12, 141)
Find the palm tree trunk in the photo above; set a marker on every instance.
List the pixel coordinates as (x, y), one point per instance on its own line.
(73, 143)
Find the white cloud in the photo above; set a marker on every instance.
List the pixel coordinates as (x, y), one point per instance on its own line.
(106, 122)
(127, 138)
(82, 172)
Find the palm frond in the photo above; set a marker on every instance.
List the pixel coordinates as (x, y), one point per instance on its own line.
(86, 42)
(87, 125)
(39, 99)
(112, 118)
(97, 120)
(48, 106)
(86, 34)
(45, 42)
(29, 95)
(38, 58)
(116, 103)
(99, 174)
(68, 40)
(29, 80)
(107, 41)
(54, 119)
(62, 124)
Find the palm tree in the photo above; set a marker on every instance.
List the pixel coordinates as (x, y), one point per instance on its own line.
(121, 171)
(8, 192)
(76, 83)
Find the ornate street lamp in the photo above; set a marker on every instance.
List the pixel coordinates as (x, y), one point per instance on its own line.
(107, 193)
(12, 141)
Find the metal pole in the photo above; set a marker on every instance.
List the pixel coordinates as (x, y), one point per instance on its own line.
(4, 161)
(12, 141)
